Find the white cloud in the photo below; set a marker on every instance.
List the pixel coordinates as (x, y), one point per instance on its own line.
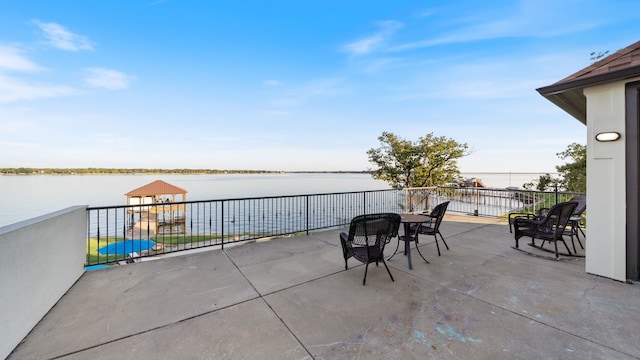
(11, 58)
(522, 19)
(12, 90)
(63, 39)
(108, 79)
(375, 41)
(371, 66)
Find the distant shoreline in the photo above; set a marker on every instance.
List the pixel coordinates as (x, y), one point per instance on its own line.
(138, 171)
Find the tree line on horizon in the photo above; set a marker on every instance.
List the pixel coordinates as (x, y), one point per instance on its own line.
(98, 171)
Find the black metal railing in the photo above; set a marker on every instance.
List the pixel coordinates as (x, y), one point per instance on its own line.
(129, 233)
(483, 201)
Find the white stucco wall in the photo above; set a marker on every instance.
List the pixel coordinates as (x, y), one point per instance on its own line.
(606, 203)
(40, 259)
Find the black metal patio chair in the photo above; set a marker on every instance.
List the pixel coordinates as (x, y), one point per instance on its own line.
(574, 228)
(433, 227)
(367, 237)
(576, 219)
(549, 228)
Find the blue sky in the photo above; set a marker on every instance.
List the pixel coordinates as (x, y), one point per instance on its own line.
(292, 85)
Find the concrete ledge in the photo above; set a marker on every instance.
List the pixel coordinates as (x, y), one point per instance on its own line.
(40, 259)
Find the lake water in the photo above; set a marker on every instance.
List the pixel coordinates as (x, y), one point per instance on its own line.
(26, 197)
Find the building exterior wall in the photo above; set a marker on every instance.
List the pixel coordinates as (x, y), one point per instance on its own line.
(606, 180)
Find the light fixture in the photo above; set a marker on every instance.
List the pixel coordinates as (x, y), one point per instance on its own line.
(608, 136)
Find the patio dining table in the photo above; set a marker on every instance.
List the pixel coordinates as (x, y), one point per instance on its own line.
(408, 220)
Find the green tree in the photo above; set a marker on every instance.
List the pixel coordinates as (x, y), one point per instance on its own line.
(544, 183)
(574, 174)
(429, 161)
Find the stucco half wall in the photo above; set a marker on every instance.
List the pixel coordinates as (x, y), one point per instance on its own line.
(40, 259)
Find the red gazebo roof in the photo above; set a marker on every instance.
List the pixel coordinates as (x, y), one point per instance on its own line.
(157, 187)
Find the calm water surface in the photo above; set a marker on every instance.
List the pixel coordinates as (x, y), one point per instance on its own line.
(26, 197)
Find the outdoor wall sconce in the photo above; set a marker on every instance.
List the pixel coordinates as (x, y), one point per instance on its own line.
(608, 136)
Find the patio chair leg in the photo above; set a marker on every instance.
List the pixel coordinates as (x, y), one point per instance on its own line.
(385, 265)
(395, 251)
(442, 237)
(437, 246)
(565, 245)
(365, 274)
(422, 256)
(555, 243)
(577, 236)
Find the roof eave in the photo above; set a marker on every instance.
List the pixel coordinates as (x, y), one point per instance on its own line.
(571, 101)
(568, 94)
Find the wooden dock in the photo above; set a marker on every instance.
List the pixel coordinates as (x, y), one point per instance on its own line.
(145, 228)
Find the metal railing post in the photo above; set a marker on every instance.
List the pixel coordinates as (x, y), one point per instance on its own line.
(475, 212)
(364, 201)
(307, 211)
(222, 224)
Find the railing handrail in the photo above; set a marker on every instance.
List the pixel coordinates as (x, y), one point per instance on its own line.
(200, 223)
(185, 225)
(239, 198)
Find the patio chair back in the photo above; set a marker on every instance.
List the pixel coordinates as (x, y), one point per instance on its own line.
(549, 228)
(558, 218)
(373, 229)
(368, 235)
(438, 214)
(433, 228)
(582, 204)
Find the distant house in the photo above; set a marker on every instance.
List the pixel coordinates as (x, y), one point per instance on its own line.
(605, 96)
(472, 182)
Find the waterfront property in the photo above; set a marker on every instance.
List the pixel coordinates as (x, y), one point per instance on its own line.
(290, 298)
(52, 241)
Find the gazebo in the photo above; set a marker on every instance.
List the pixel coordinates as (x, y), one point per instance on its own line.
(161, 209)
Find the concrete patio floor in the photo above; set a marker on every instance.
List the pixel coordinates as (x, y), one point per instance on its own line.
(290, 298)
